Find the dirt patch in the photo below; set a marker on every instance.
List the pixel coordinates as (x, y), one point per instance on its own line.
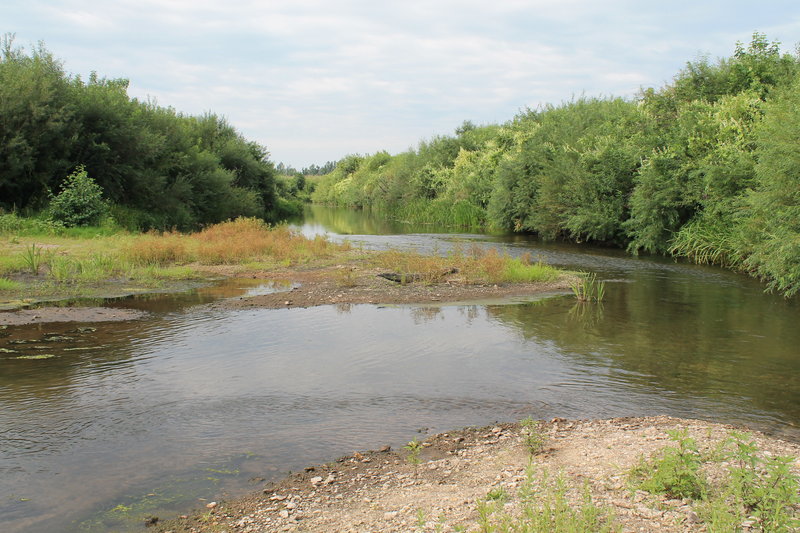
(381, 491)
(68, 314)
(362, 285)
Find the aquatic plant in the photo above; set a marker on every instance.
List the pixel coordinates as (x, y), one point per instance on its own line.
(587, 288)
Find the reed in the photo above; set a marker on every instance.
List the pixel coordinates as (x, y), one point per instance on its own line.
(588, 288)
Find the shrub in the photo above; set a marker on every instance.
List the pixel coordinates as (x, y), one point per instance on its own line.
(80, 202)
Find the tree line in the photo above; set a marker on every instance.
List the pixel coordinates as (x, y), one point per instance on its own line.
(706, 167)
(157, 168)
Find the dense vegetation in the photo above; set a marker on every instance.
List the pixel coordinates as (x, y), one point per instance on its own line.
(157, 168)
(706, 167)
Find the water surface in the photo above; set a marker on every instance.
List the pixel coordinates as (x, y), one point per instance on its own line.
(148, 416)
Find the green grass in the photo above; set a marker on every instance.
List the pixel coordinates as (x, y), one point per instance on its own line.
(588, 288)
(547, 505)
(757, 487)
(8, 284)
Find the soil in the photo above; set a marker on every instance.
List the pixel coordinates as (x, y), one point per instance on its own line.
(362, 285)
(68, 314)
(381, 491)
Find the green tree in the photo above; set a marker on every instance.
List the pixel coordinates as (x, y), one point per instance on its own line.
(80, 202)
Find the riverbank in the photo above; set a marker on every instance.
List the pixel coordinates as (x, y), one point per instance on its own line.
(470, 479)
(314, 271)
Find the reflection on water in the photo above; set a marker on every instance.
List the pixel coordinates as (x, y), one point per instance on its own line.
(144, 417)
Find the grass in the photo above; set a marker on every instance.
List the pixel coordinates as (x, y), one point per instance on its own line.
(74, 263)
(8, 284)
(477, 265)
(588, 288)
(533, 436)
(757, 488)
(546, 505)
(40, 260)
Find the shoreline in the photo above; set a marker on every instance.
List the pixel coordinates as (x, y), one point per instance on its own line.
(342, 284)
(460, 473)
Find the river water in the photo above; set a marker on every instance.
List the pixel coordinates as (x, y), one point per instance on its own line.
(102, 424)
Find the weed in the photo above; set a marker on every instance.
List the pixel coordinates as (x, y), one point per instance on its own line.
(8, 284)
(764, 489)
(414, 448)
(420, 518)
(346, 277)
(32, 256)
(675, 471)
(497, 494)
(546, 506)
(587, 288)
(533, 435)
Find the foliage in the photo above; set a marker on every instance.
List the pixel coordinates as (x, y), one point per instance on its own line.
(702, 168)
(533, 435)
(764, 491)
(32, 257)
(157, 168)
(8, 284)
(80, 202)
(545, 507)
(414, 448)
(675, 471)
(587, 288)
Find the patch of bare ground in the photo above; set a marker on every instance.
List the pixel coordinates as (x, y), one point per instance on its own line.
(380, 491)
(360, 284)
(43, 315)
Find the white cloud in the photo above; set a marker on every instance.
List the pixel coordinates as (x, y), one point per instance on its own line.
(314, 79)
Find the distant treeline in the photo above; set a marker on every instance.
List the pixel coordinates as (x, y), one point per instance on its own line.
(706, 167)
(312, 170)
(157, 167)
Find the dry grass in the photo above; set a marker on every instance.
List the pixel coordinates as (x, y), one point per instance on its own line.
(477, 265)
(234, 242)
(158, 249)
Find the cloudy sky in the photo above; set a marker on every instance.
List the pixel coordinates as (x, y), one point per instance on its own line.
(315, 80)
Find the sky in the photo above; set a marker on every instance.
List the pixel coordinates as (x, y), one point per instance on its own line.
(316, 80)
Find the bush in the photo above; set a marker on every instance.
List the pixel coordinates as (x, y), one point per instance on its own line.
(80, 202)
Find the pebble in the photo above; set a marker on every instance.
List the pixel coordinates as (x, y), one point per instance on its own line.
(316, 480)
(211, 505)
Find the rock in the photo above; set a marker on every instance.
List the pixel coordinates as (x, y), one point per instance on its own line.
(316, 480)
(385, 449)
(291, 505)
(389, 515)
(211, 505)
(284, 514)
(330, 479)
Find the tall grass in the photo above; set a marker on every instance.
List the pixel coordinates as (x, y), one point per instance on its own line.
(439, 212)
(477, 265)
(588, 288)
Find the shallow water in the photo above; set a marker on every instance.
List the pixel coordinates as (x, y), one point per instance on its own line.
(148, 416)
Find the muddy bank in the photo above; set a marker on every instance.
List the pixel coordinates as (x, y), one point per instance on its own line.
(43, 315)
(359, 285)
(381, 491)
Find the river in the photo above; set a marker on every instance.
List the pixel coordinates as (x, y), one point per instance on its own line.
(158, 415)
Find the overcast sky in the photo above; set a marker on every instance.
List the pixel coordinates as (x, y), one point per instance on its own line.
(315, 80)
